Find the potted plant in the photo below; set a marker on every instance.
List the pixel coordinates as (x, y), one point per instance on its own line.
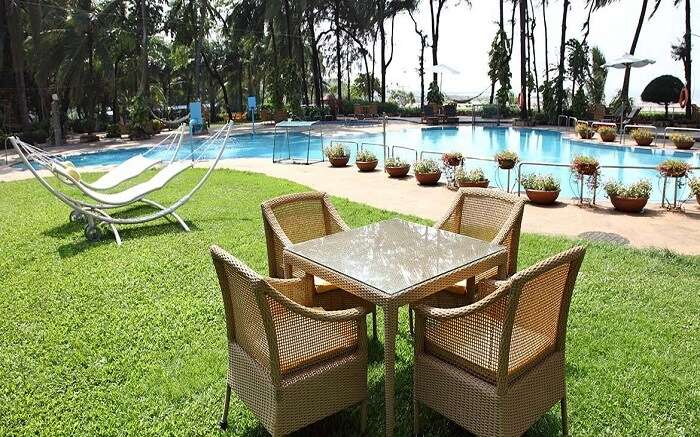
(683, 142)
(366, 160)
(506, 159)
(471, 178)
(337, 154)
(584, 131)
(452, 159)
(585, 165)
(427, 172)
(643, 137)
(541, 189)
(694, 185)
(674, 168)
(628, 198)
(396, 168)
(607, 134)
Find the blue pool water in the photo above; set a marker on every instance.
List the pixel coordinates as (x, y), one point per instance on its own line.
(531, 145)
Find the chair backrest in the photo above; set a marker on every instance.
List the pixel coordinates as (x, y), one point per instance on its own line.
(248, 318)
(488, 215)
(536, 312)
(295, 218)
(633, 114)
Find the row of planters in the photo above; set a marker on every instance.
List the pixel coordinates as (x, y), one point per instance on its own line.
(643, 137)
(541, 189)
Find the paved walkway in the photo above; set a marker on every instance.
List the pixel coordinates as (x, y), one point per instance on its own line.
(656, 227)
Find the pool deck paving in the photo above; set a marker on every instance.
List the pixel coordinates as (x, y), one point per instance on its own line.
(655, 227)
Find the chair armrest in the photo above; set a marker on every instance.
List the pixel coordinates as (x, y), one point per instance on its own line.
(438, 313)
(299, 290)
(319, 314)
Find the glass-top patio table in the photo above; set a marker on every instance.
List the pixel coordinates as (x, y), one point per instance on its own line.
(394, 263)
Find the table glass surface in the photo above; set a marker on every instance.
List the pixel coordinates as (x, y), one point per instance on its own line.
(394, 255)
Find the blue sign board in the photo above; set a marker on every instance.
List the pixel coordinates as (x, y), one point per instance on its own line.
(252, 104)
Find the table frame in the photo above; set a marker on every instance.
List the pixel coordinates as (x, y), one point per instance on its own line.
(390, 304)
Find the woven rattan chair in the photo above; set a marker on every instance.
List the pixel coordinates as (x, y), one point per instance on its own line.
(299, 217)
(496, 365)
(295, 356)
(489, 215)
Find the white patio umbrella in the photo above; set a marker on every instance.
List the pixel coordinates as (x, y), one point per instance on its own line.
(443, 68)
(628, 61)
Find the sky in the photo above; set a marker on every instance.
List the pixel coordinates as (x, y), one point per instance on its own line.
(466, 34)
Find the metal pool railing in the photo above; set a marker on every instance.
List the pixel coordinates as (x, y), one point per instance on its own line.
(677, 129)
(383, 146)
(393, 148)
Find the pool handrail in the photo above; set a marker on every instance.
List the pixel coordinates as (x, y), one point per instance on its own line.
(383, 146)
(404, 148)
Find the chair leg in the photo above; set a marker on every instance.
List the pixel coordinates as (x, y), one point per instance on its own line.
(374, 324)
(223, 424)
(564, 418)
(363, 416)
(410, 321)
(416, 417)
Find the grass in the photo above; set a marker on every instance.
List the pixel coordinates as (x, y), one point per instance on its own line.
(97, 339)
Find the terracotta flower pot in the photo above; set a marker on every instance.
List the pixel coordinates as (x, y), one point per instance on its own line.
(684, 145)
(453, 162)
(339, 161)
(644, 141)
(366, 165)
(428, 178)
(542, 197)
(607, 137)
(506, 164)
(629, 204)
(472, 184)
(586, 169)
(397, 172)
(585, 135)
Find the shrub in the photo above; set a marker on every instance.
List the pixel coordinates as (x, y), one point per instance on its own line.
(638, 190)
(694, 185)
(607, 133)
(113, 131)
(157, 125)
(395, 162)
(434, 94)
(682, 140)
(642, 135)
(533, 181)
(390, 108)
(336, 150)
(674, 168)
(365, 156)
(584, 131)
(475, 175)
(426, 166)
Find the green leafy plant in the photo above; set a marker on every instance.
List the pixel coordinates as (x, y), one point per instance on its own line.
(365, 156)
(607, 133)
(426, 166)
(533, 181)
(584, 131)
(638, 190)
(474, 175)
(694, 186)
(682, 141)
(585, 165)
(674, 168)
(506, 159)
(113, 131)
(395, 163)
(451, 158)
(434, 94)
(336, 150)
(642, 136)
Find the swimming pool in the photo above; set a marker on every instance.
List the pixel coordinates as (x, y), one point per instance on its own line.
(532, 145)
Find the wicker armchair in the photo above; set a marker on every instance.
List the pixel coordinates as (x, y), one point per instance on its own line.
(495, 366)
(300, 217)
(295, 356)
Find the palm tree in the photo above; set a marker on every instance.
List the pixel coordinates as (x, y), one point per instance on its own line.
(626, 81)
(14, 30)
(523, 60)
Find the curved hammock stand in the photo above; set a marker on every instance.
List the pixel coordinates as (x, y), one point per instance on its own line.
(95, 213)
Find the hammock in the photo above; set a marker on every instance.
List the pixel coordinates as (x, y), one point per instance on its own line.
(94, 213)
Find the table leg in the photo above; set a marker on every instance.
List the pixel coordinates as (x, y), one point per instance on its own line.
(391, 318)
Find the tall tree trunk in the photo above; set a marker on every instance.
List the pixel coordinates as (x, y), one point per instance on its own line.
(339, 72)
(316, 72)
(626, 80)
(546, 40)
(35, 21)
(523, 59)
(220, 80)
(382, 51)
(17, 54)
(500, 26)
(534, 55)
(529, 57)
(435, 31)
(688, 70)
(276, 96)
(562, 57)
(143, 58)
(302, 68)
(115, 93)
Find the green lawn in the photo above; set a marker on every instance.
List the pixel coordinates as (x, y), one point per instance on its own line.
(100, 339)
